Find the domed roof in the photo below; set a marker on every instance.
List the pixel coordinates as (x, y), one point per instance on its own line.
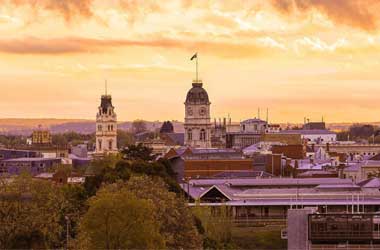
(197, 95)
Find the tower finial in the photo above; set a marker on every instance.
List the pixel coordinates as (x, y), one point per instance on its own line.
(105, 86)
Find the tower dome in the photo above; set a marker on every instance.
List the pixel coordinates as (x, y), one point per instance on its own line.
(197, 95)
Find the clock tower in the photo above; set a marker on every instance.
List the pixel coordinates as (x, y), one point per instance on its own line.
(197, 117)
(106, 127)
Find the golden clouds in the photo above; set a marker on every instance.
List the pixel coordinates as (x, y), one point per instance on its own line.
(353, 13)
(67, 9)
(71, 45)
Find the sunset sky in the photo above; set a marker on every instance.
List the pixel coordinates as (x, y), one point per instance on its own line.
(299, 58)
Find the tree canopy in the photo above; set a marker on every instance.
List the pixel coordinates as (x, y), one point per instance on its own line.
(117, 219)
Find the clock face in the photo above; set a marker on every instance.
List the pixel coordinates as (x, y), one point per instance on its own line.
(202, 111)
(189, 111)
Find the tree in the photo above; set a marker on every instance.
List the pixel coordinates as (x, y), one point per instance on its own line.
(343, 136)
(361, 131)
(175, 217)
(139, 126)
(124, 138)
(31, 214)
(217, 225)
(100, 170)
(117, 219)
(138, 152)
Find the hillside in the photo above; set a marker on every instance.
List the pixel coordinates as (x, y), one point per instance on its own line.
(19, 126)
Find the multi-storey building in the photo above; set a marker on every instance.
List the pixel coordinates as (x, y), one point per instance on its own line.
(106, 127)
(197, 117)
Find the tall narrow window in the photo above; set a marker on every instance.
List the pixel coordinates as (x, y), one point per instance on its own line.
(110, 144)
(202, 135)
(189, 134)
(100, 144)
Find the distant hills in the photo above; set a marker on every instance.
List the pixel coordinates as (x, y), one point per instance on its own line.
(20, 126)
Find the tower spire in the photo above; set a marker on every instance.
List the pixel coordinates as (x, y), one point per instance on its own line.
(105, 86)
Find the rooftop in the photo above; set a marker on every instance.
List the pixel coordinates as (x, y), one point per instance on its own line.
(309, 132)
(24, 159)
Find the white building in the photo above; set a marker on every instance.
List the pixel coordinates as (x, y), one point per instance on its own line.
(253, 126)
(197, 117)
(106, 127)
(319, 136)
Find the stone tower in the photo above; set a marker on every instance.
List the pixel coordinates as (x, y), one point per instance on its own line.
(197, 117)
(106, 127)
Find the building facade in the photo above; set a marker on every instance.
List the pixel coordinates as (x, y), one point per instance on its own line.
(41, 136)
(197, 117)
(106, 127)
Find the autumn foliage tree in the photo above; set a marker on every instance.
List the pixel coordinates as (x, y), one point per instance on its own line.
(117, 219)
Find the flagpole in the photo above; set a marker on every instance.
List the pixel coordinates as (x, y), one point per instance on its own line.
(196, 65)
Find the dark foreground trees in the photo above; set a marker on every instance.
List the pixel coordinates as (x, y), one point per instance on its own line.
(32, 213)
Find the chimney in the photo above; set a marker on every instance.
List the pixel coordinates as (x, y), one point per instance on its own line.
(224, 121)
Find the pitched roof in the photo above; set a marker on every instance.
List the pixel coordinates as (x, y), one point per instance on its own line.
(246, 182)
(176, 138)
(242, 174)
(309, 132)
(373, 182)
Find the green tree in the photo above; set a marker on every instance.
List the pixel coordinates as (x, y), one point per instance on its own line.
(138, 153)
(124, 139)
(117, 219)
(175, 217)
(217, 225)
(31, 212)
(139, 126)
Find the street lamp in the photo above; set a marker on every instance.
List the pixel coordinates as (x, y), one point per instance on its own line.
(67, 231)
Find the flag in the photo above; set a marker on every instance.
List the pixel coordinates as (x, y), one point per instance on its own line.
(193, 57)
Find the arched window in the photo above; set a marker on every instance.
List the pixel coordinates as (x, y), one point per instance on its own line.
(110, 144)
(99, 127)
(189, 134)
(202, 135)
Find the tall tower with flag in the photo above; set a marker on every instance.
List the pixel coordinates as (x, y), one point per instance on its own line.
(106, 126)
(197, 114)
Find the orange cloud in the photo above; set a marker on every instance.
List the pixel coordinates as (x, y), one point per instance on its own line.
(67, 9)
(66, 45)
(353, 13)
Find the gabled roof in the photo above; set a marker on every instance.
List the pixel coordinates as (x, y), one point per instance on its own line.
(222, 189)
